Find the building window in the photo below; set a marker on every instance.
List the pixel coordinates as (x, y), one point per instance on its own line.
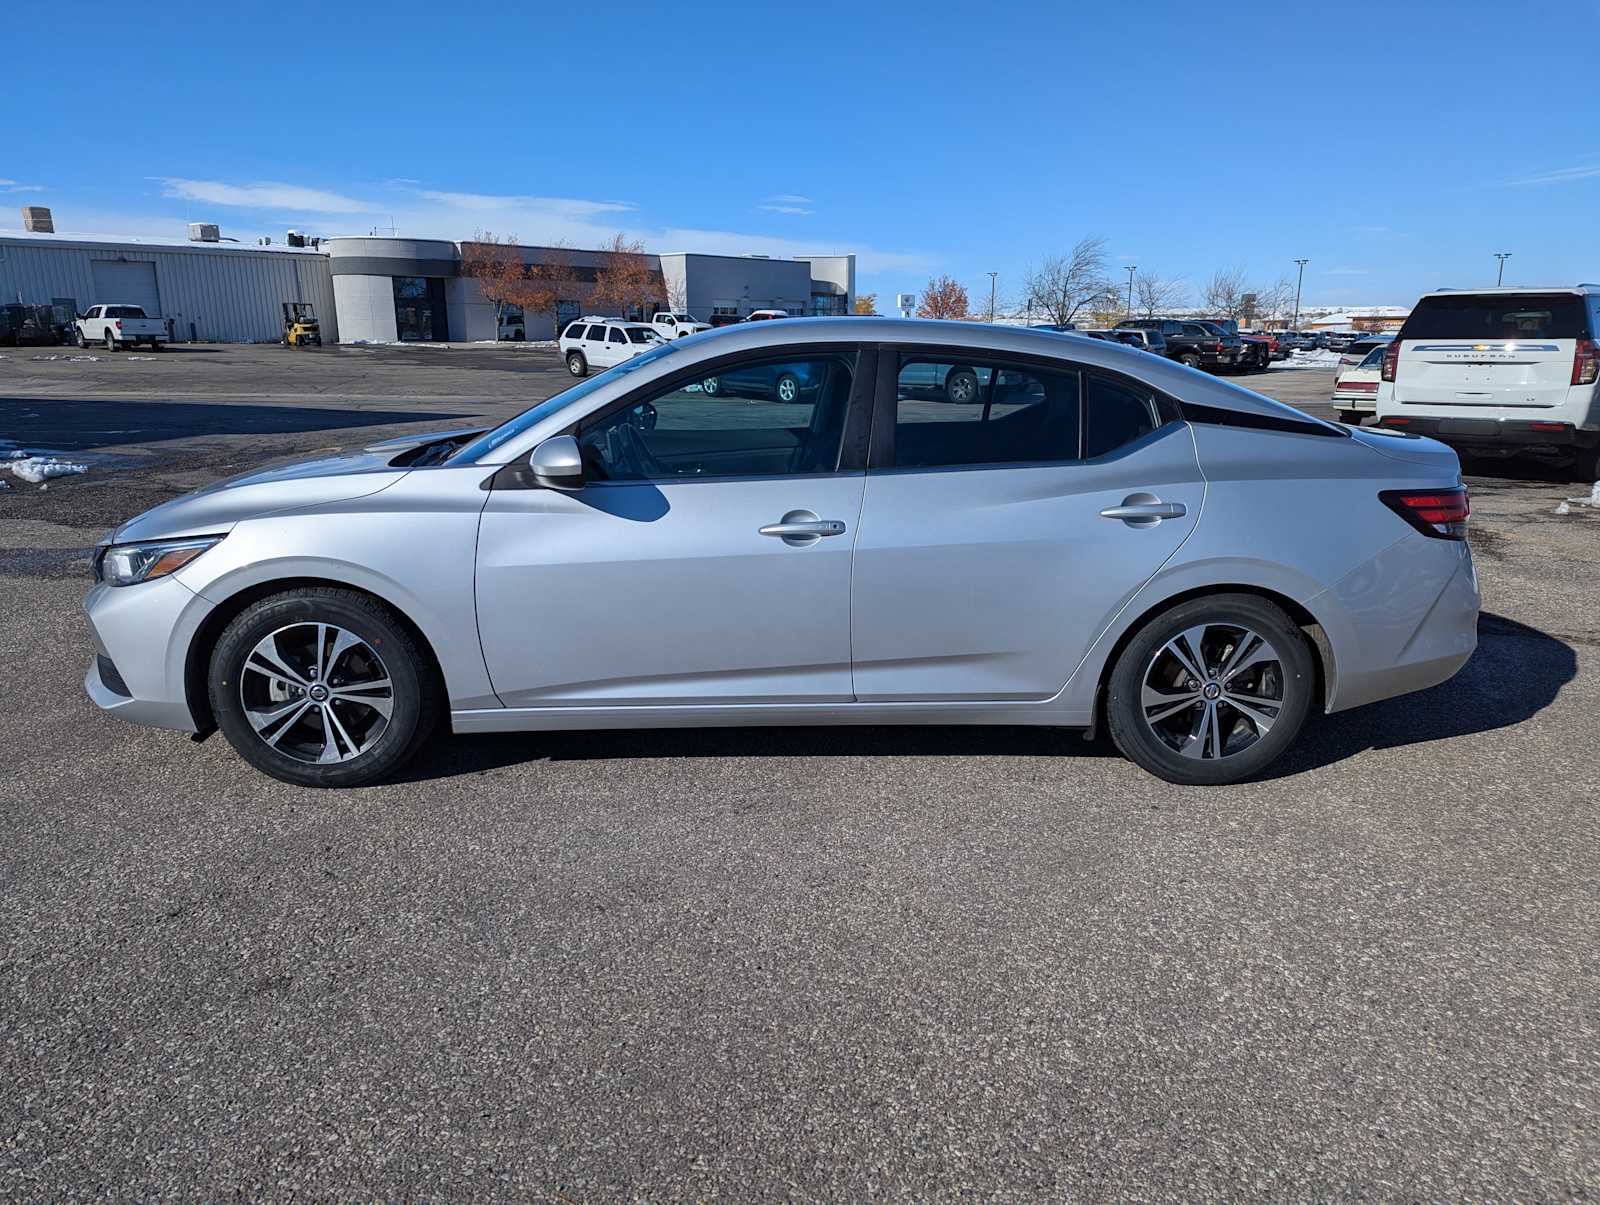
(419, 310)
(827, 305)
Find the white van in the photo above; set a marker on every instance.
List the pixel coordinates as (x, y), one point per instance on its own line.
(1500, 372)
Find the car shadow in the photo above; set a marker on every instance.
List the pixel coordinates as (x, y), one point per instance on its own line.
(75, 425)
(1516, 672)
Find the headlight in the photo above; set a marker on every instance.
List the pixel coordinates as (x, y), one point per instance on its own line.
(128, 564)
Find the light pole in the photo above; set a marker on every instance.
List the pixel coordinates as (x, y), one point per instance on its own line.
(1502, 256)
(992, 275)
(1295, 325)
(1132, 268)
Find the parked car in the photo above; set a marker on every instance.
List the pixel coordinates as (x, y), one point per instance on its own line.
(1355, 387)
(676, 324)
(1275, 350)
(1339, 340)
(1246, 356)
(1500, 372)
(1145, 338)
(1109, 542)
(1189, 342)
(765, 315)
(783, 382)
(513, 327)
(1357, 350)
(118, 326)
(33, 326)
(603, 343)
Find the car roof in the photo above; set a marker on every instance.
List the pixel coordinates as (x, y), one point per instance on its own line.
(977, 337)
(1583, 288)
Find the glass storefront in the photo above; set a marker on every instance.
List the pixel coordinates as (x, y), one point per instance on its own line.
(419, 310)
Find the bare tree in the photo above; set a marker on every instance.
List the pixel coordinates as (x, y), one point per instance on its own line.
(1154, 295)
(627, 282)
(495, 262)
(1273, 302)
(942, 298)
(1064, 284)
(1224, 294)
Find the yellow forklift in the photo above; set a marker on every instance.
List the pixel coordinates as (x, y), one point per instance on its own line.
(300, 324)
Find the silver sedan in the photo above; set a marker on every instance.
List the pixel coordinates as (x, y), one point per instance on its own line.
(939, 523)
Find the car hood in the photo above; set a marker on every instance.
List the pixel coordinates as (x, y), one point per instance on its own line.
(217, 507)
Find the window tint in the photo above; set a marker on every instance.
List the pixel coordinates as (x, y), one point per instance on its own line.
(1195, 329)
(1114, 415)
(597, 334)
(616, 335)
(637, 334)
(968, 413)
(575, 331)
(760, 419)
(1498, 316)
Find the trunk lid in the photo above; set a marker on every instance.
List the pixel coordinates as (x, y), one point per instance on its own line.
(1413, 449)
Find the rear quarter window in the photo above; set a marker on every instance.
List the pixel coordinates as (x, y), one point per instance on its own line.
(1499, 316)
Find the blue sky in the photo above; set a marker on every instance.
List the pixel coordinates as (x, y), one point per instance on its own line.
(1396, 150)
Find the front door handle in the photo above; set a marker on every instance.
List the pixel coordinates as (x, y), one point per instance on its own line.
(802, 527)
(1144, 510)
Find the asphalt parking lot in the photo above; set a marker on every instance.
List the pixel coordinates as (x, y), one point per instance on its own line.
(909, 963)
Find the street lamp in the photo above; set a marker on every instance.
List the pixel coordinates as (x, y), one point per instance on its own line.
(1295, 325)
(1502, 256)
(992, 275)
(1132, 268)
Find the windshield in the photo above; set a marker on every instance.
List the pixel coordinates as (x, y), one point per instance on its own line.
(1498, 316)
(528, 419)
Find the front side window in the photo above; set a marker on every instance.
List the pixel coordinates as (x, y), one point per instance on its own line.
(597, 334)
(951, 414)
(762, 418)
(617, 336)
(639, 334)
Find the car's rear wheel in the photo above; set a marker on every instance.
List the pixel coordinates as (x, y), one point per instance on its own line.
(1352, 417)
(711, 386)
(112, 344)
(788, 388)
(1586, 466)
(961, 387)
(322, 687)
(1211, 691)
(576, 364)
(1189, 358)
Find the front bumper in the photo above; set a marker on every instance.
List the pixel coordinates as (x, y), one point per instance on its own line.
(1502, 432)
(142, 636)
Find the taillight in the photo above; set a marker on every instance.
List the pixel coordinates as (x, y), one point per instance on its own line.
(1441, 514)
(117, 322)
(1391, 361)
(1585, 363)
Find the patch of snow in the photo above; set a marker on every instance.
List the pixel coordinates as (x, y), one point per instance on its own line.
(1321, 358)
(126, 359)
(69, 359)
(39, 469)
(1591, 499)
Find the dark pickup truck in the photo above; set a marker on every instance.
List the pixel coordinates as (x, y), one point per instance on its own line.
(1191, 342)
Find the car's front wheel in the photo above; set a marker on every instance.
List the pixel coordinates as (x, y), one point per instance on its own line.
(576, 364)
(1211, 691)
(322, 687)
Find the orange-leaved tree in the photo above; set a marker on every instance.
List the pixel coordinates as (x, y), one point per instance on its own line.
(627, 281)
(942, 298)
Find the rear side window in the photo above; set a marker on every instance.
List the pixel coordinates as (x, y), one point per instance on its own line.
(955, 414)
(1499, 316)
(575, 331)
(1114, 414)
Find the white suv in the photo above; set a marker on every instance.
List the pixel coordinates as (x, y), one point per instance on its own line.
(1500, 371)
(601, 342)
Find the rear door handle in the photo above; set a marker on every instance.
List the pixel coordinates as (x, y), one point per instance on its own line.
(1144, 510)
(801, 527)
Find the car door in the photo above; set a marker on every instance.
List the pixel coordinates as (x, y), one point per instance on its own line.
(594, 346)
(705, 561)
(999, 538)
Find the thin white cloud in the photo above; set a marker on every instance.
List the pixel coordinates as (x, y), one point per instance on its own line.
(14, 186)
(262, 195)
(565, 207)
(1560, 175)
(800, 210)
(788, 198)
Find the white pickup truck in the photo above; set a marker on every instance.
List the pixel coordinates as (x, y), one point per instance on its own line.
(676, 325)
(119, 326)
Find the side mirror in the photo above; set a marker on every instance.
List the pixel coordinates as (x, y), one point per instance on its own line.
(557, 463)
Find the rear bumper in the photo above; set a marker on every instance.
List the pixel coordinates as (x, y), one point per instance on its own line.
(1504, 432)
(1366, 403)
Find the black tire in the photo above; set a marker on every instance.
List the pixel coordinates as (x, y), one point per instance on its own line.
(1352, 417)
(961, 387)
(78, 340)
(1141, 744)
(787, 388)
(576, 364)
(112, 344)
(155, 345)
(1189, 358)
(415, 689)
(1586, 465)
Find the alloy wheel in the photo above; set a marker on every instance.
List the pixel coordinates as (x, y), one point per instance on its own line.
(316, 692)
(1213, 691)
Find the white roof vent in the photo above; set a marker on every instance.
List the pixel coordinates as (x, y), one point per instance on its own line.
(204, 232)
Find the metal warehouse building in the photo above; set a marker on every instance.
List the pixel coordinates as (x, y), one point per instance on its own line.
(208, 291)
(379, 290)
